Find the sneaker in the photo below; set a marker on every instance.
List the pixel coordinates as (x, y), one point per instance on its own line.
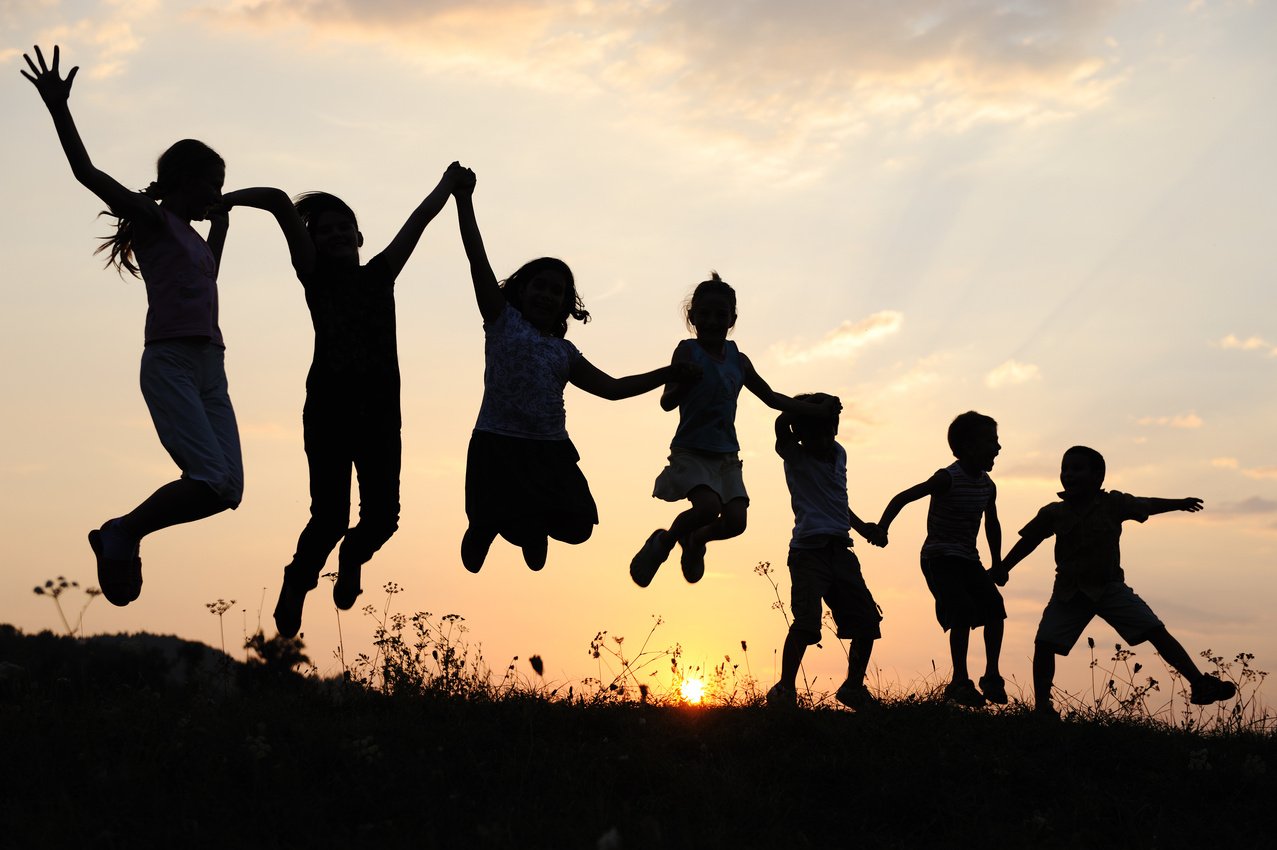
(346, 589)
(288, 610)
(649, 559)
(994, 689)
(534, 554)
(855, 695)
(963, 693)
(119, 579)
(692, 560)
(782, 696)
(474, 548)
(1210, 688)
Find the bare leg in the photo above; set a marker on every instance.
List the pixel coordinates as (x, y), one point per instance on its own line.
(993, 648)
(959, 640)
(1043, 676)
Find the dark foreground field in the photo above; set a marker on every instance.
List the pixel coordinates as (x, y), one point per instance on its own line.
(137, 743)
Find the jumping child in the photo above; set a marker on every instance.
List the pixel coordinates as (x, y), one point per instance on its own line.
(966, 598)
(523, 481)
(821, 563)
(1089, 581)
(704, 464)
(183, 376)
(352, 414)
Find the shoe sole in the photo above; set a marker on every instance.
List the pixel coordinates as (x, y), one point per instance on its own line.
(118, 590)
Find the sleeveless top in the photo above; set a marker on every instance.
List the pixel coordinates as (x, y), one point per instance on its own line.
(524, 374)
(707, 414)
(818, 495)
(953, 520)
(180, 274)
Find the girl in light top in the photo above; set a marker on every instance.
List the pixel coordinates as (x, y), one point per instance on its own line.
(183, 375)
(704, 466)
(522, 478)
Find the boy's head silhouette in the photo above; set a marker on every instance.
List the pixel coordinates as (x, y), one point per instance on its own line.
(815, 431)
(332, 225)
(973, 439)
(1082, 471)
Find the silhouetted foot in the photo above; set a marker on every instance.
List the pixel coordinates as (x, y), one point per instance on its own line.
(288, 610)
(534, 553)
(693, 559)
(474, 548)
(994, 689)
(963, 693)
(119, 574)
(855, 695)
(346, 589)
(782, 696)
(649, 559)
(1210, 688)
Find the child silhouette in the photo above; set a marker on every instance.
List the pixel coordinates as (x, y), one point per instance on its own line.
(1089, 580)
(183, 372)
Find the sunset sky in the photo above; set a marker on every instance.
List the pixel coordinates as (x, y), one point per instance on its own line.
(1059, 214)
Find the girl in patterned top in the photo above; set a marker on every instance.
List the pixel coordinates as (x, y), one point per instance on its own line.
(183, 375)
(523, 481)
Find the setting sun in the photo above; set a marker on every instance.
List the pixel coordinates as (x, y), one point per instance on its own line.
(692, 691)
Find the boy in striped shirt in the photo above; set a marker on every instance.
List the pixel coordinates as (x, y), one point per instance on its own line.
(962, 494)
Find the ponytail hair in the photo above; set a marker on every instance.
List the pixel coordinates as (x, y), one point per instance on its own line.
(714, 286)
(182, 161)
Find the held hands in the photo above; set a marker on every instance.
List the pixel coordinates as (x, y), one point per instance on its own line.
(875, 535)
(460, 180)
(48, 80)
(999, 575)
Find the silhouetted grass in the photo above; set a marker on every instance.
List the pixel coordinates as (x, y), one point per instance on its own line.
(151, 742)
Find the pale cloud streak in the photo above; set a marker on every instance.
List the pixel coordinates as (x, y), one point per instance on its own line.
(1012, 373)
(842, 342)
(1188, 420)
(1250, 343)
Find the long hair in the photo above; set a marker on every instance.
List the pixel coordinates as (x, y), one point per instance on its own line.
(714, 286)
(183, 160)
(513, 286)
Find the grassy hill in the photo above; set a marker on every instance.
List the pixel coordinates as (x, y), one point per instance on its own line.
(157, 742)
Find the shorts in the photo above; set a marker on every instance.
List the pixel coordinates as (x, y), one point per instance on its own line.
(519, 486)
(688, 469)
(831, 573)
(1064, 619)
(184, 384)
(966, 597)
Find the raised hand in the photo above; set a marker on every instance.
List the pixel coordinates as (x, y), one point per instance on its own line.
(48, 80)
(462, 179)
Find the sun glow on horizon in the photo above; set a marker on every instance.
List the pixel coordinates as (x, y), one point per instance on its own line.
(692, 691)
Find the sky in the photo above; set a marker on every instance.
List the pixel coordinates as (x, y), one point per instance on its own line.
(1058, 214)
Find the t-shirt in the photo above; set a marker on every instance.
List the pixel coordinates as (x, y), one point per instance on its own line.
(818, 495)
(1087, 555)
(707, 414)
(524, 374)
(953, 519)
(352, 309)
(180, 274)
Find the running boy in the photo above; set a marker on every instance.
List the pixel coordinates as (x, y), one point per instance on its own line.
(1089, 582)
(821, 563)
(966, 598)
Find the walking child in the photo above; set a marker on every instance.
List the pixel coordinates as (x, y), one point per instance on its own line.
(351, 418)
(523, 481)
(704, 465)
(962, 494)
(1089, 580)
(183, 376)
(821, 563)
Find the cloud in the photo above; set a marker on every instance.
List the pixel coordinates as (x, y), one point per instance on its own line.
(798, 78)
(1225, 463)
(1010, 374)
(927, 371)
(1250, 343)
(844, 341)
(100, 37)
(1262, 473)
(1247, 507)
(1181, 420)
